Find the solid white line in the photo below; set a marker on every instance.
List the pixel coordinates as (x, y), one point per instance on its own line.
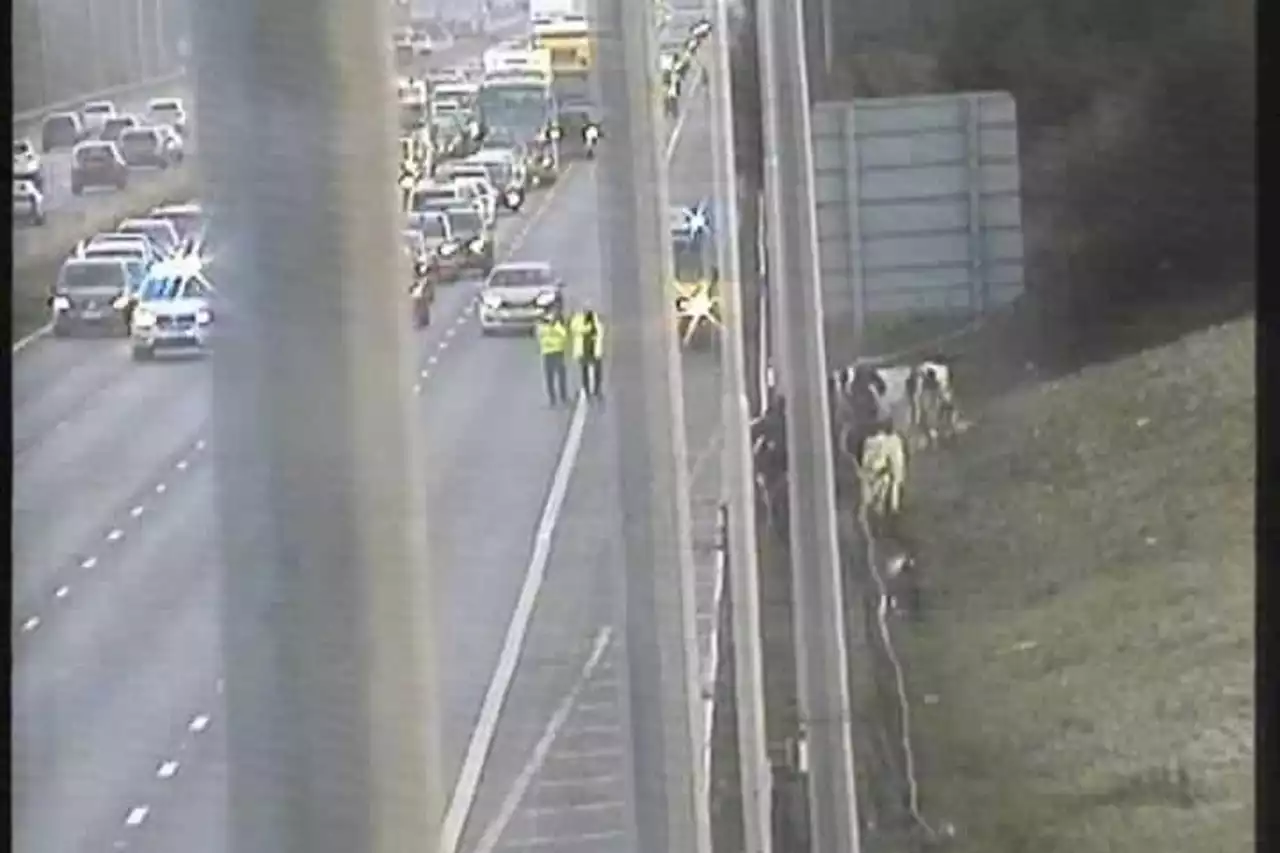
(493, 833)
(464, 792)
(26, 341)
(713, 670)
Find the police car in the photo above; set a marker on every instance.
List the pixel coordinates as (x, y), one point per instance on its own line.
(174, 312)
(696, 281)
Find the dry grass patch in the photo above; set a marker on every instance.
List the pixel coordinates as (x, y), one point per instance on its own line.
(1087, 642)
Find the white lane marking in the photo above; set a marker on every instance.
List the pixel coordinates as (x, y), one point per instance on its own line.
(62, 592)
(88, 562)
(417, 389)
(449, 333)
(198, 723)
(137, 815)
(422, 374)
(200, 445)
(219, 686)
(464, 791)
(587, 755)
(31, 624)
(28, 340)
(493, 833)
(462, 318)
(444, 344)
(566, 840)
(433, 359)
(161, 488)
(550, 811)
(181, 465)
(579, 782)
(115, 535)
(167, 770)
(137, 511)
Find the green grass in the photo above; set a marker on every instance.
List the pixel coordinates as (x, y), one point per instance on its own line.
(1087, 641)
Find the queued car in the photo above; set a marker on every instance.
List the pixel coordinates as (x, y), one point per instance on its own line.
(114, 127)
(161, 232)
(442, 244)
(95, 114)
(174, 312)
(168, 111)
(474, 238)
(187, 218)
(28, 203)
(97, 164)
(62, 130)
(151, 147)
(91, 295)
(516, 295)
(26, 163)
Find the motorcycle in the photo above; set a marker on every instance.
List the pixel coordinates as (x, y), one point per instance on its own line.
(590, 137)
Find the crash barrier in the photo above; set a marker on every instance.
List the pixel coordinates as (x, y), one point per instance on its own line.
(36, 271)
(30, 117)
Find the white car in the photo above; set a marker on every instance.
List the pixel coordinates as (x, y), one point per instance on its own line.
(517, 295)
(168, 111)
(26, 163)
(161, 232)
(474, 184)
(173, 312)
(28, 203)
(95, 114)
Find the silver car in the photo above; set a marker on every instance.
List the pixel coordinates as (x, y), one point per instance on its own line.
(28, 203)
(517, 295)
(90, 295)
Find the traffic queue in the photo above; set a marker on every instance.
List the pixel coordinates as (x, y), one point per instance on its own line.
(462, 169)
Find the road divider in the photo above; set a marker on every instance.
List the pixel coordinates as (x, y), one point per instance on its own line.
(36, 272)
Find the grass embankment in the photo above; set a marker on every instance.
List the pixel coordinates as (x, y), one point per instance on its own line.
(36, 271)
(1081, 677)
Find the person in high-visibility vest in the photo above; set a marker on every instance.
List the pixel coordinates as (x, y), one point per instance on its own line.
(553, 339)
(588, 349)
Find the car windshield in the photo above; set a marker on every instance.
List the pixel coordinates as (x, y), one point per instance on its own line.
(520, 277)
(160, 233)
(115, 250)
(162, 288)
(430, 225)
(166, 107)
(95, 154)
(90, 276)
(466, 221)
(99, 109)
(187, 223)
(138, 140)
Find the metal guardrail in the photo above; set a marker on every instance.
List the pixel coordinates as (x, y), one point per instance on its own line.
(29, 116)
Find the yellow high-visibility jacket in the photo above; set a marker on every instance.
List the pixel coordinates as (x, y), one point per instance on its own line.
(553, 337)
(578, 326)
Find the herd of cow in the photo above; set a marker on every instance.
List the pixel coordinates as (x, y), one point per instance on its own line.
(880, 414)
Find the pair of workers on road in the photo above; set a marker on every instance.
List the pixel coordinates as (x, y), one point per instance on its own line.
(583, 336)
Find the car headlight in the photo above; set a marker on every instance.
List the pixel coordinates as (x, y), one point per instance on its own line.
(61, 303)
(514, 198)
(204, 317)
(546, 299)
(592, 133)
(143, 318)
(122, 302)
(477, 245)
(556, 133)
(547, 161)
(492, 301)
(448, 249)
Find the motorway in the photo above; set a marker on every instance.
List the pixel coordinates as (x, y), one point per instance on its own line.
(64, 210)
(116, 666)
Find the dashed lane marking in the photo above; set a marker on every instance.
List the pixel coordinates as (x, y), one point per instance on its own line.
(88, 562)
(167, 770)
(198, 723)
(31, 624)
(62, 592)
(137, 815)
(137, 511)
(115, 535)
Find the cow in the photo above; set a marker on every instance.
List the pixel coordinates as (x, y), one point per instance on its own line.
(932, 399)
(882, 471)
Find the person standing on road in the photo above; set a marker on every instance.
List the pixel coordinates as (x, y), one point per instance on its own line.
(588, 349)
(553, 340)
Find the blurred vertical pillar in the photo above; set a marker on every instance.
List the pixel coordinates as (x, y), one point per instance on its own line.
(647, 412)
(327, 593)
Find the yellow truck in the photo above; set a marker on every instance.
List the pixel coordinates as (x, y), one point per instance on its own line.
(568, 39)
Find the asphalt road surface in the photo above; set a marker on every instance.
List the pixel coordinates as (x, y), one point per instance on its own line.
(556, 782)
(64, 210)
(117, 708)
